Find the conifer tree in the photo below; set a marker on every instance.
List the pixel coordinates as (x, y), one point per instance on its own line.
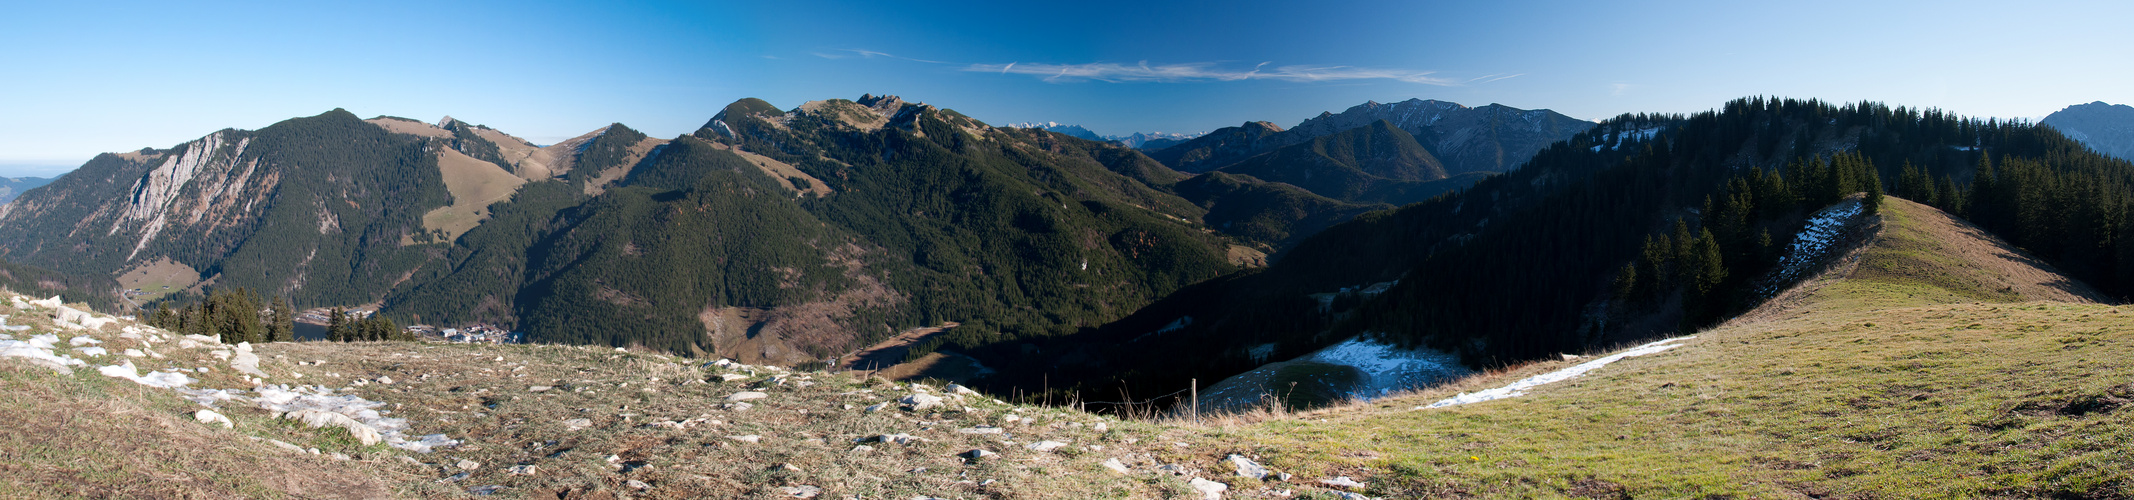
(337, 325)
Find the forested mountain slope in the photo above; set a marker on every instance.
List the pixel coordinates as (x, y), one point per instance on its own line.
(1643, 225)
(1493, 138)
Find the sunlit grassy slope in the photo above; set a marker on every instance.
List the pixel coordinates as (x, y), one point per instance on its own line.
(1942, 365)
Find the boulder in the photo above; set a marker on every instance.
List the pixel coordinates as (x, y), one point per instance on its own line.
(210, 417)
(1209, 490)
(318, 418)
(1246, 467)
(747, 395)
(921, 401)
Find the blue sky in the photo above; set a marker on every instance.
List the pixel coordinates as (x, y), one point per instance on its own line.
(87, 77)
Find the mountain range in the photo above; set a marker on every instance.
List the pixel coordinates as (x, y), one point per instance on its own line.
(803, 235)
(1493, 138)
(11, 187)
(1137, 140)
(2107, 128)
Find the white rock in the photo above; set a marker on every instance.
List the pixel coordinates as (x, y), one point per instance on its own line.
(979, 454)
(1115, 465)
(921, 401)
(961, 390)
(751, 438)
(210, 417)
(319, 418)
(285, 445)
(637, 485)
(522, 470)
(465, 464)
(135, 353)
(877, 407)
(747, 395)
(802, 491)
(47, 303)
(983, 429)
(729, 377)
(577, 424)
(83, 340)
(382, 379)
(1046, 445)
(1100, 427)
(1342, 481)
(1246, 467)
(539, 388)
(245, 362)
(1209, 490)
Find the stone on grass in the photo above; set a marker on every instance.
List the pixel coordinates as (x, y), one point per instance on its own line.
(983, 429)
(522, 470)
(1046, 445)
(729, 377)
(877, 407)
(465, 464)
(747, 395)
(1342, 481)
(210, 417)
(577, 424)
(979, 454)
(319, 418)
(921, 401)
(959, 389)
(750, 438)
(1246, 467)
(1115, 465)
(637, 485)
(485, 490)
(802, 491)
(1209, 490)
(539, 388)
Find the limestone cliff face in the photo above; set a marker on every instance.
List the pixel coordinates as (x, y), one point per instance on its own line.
(302, 207)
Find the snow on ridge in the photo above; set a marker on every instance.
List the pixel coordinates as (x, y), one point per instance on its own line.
(1516, 389)
(1810, 245)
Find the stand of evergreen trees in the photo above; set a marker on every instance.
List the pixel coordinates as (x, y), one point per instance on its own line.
(234, 315)
(345, 327)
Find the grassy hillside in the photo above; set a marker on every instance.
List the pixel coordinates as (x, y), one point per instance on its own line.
(1925, 371)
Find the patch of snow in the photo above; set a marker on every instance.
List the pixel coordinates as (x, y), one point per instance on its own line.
(1811, 245)
(1390, 368)
(1519, 388)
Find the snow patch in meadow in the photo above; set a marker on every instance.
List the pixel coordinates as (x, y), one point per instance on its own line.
(1519, 388)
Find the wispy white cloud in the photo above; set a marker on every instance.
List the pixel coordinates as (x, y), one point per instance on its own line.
(1211, 72)
(867, 54)
(1492, 78)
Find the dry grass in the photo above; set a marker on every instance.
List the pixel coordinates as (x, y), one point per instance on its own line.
(475, 185)
(157, 278)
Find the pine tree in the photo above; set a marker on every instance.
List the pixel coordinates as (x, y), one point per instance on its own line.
(337, 325)
(281, 321)
(1872, 204)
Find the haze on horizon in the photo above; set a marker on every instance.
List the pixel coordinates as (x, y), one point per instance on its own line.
(85, 78)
